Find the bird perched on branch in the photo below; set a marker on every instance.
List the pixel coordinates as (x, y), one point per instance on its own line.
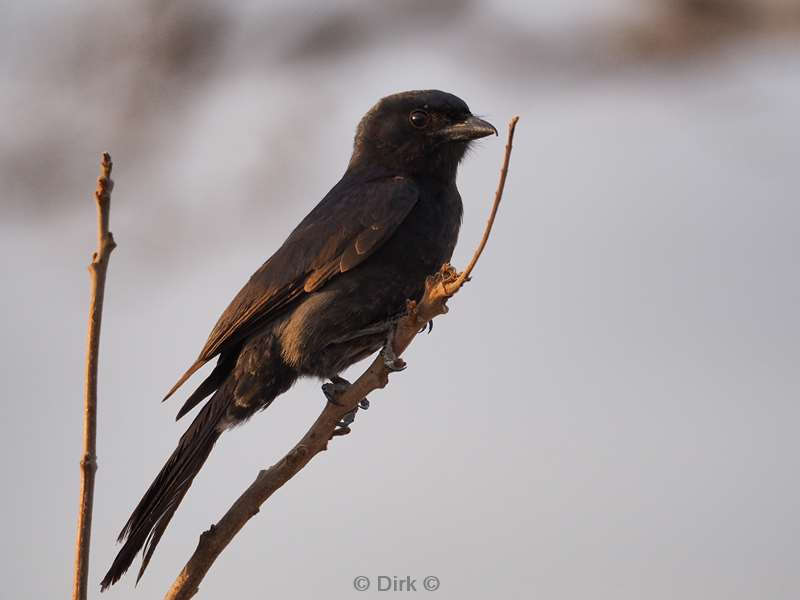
(330, 295)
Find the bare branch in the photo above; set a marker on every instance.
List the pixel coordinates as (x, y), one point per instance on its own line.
(97, 275)
(438, 289)
(498, 195)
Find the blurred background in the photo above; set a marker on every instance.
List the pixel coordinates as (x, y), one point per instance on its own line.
(609, 411)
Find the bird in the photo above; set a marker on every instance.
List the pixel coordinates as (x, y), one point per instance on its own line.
(330, 295)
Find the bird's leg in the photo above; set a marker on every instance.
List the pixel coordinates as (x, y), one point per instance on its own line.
(335, 387)
(331, 391)
(391, 361)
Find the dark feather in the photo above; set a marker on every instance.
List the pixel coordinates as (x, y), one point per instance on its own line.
(342, 231)
(189, 372)
(210, 383)
(154, 511)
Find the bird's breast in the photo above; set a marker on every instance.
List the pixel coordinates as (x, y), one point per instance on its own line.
(427, 237)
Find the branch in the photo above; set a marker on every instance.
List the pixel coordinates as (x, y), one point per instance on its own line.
(438, 289)
(97, 275)
(498, 195)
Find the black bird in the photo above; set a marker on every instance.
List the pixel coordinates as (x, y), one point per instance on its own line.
(330, 294)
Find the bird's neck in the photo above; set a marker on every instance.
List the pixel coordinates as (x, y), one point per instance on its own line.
(439, 164)
(439, 174)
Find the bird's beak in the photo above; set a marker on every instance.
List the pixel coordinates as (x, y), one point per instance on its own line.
(471, 128)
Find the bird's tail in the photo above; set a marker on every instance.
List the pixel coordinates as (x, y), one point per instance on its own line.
(154, 511)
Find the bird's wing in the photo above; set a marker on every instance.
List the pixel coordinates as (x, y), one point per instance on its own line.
(343, 230)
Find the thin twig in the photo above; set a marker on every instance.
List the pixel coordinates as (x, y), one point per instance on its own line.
(498, 195)
(438, 289)
(97, 274)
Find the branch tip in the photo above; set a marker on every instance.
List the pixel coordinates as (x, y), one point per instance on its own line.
(97, 277)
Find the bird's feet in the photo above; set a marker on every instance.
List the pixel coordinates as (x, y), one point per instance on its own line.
(336, 386)
(331, 391)
(391, 361)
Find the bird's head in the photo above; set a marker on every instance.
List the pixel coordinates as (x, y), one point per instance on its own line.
(417, 133)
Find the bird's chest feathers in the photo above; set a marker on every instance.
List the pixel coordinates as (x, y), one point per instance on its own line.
(429, 233)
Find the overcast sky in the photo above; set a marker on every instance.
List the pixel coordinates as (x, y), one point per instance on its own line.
(609, 411)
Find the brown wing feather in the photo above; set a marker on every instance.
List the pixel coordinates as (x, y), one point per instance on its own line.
(352, 221)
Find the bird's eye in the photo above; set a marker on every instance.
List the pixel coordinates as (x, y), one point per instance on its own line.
(419, 119)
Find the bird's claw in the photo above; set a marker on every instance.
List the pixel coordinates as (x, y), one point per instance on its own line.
(347, 419)
(331, 390)
(391, 361)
